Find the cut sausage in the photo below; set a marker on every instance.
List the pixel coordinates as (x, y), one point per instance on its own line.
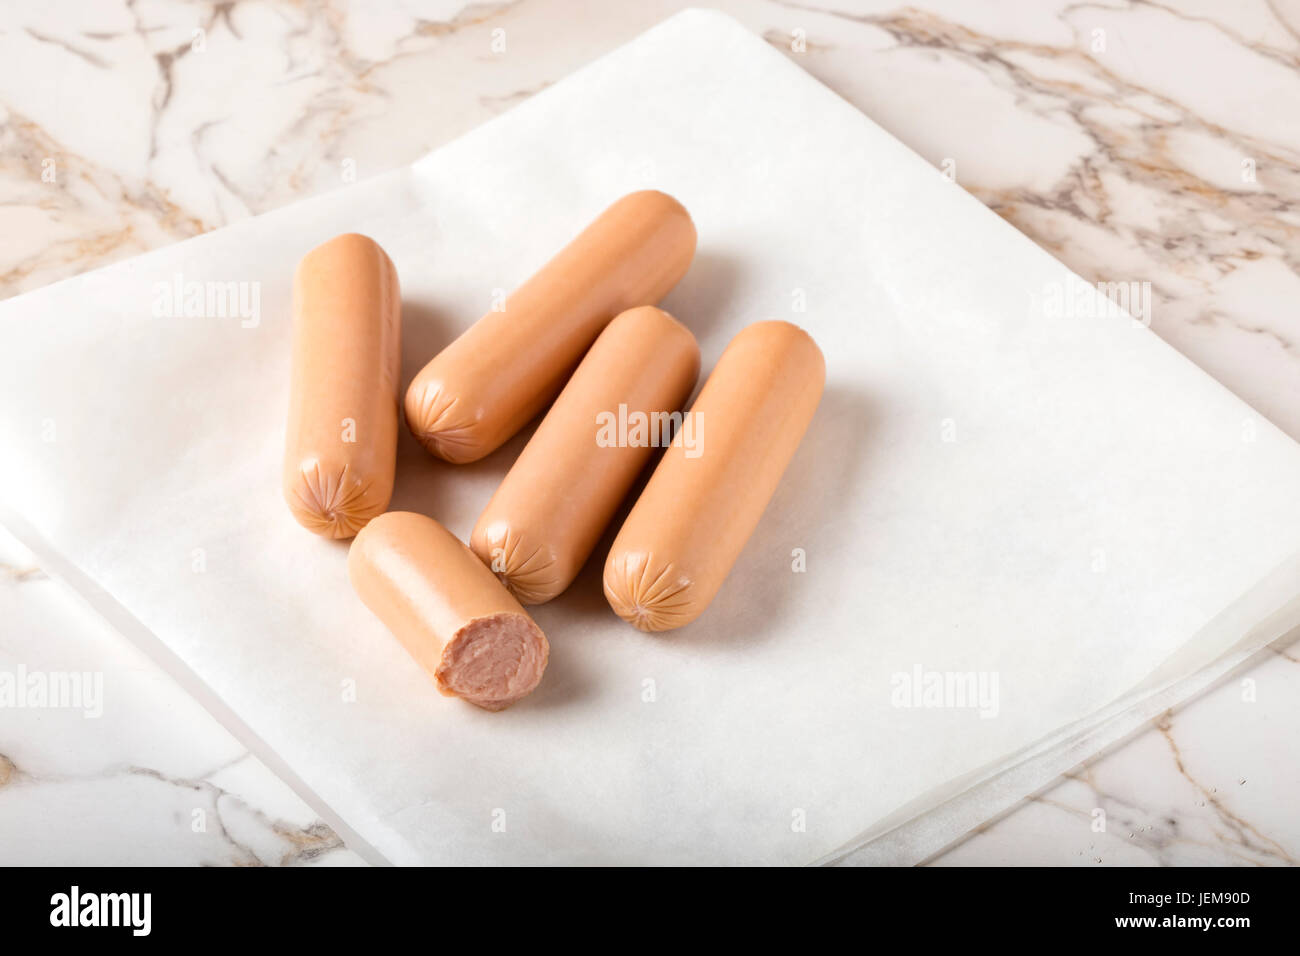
(702, 503)
(341, 442)
(547, 515)
(448, 610)
(503, 370)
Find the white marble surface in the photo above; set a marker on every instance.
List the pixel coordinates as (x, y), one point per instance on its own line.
(136, 772)
(1147, 142)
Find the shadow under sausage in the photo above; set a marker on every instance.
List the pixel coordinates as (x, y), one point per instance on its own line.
(566, 681)
(424, 483)
(455, 495)
(427, 329)
(430, 486)
(581, 614)
(759, 601)
(703, 298)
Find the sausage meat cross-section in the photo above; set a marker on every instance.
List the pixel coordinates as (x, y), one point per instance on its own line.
(447, 609)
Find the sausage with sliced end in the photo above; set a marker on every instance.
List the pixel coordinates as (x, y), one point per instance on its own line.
(701, 504)
(447, 609)
(341, 441)
(547, 515)
(503, 370)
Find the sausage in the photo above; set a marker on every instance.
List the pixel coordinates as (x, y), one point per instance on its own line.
(509, 365)
(341, 442)
(448, 610)
(699, 508)
(547, 515)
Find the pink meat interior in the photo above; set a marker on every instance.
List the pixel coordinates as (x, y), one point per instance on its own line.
(493, 661)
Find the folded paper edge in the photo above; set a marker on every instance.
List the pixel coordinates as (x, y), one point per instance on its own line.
(1269, 612)
(121, 620)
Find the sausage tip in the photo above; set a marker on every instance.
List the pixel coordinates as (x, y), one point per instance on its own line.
(649, 595)
(439, 425)
(330, 502)
(528, 570)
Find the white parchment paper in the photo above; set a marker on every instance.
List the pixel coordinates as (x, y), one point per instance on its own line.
(994, 484)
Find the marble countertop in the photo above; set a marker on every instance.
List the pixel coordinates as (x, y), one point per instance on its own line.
(1151, 142)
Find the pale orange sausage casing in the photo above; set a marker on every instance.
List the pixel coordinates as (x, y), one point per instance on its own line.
(697, 511)
(447, 609)
(341, 442)
(547, 515)
(504, 369)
